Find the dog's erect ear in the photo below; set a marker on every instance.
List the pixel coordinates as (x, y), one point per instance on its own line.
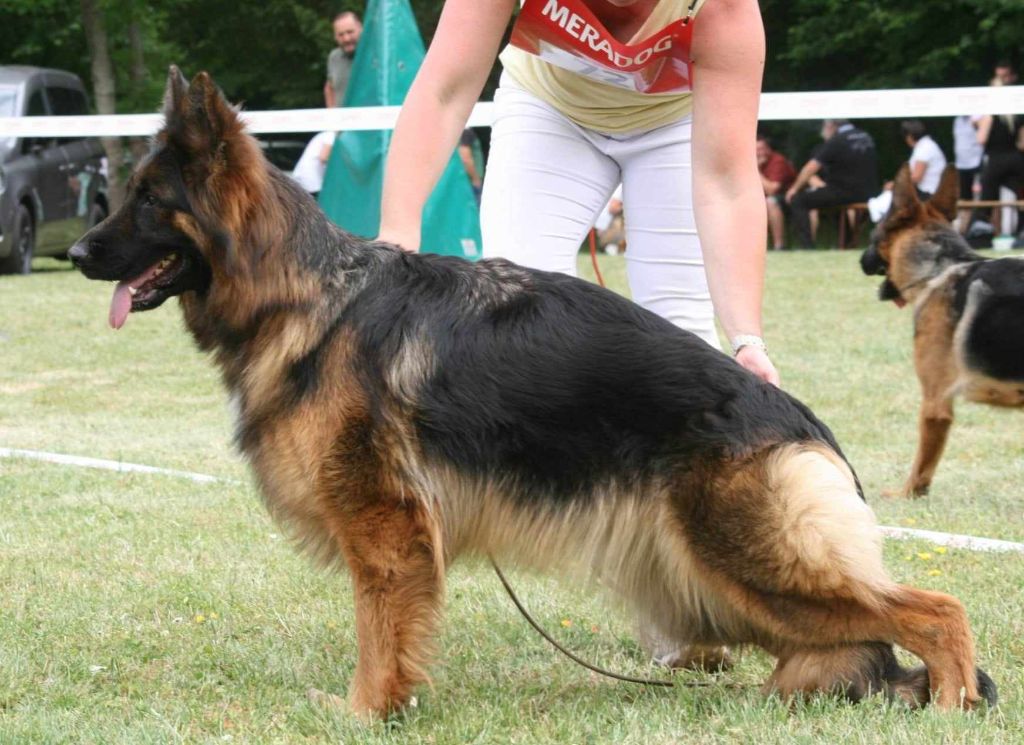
(175, 93)
(945, 197)
(904, 193)
(197, 116)
(210, 113)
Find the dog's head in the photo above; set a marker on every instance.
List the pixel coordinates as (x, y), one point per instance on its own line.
(174, 232)
(900, 243)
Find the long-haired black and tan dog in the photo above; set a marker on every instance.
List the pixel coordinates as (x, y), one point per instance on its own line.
(968, 313)
(400, 410)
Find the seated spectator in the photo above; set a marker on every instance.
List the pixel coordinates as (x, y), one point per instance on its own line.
(312, 164)
(926, 159)
(968, 152)
(777, 174)
(849, 162)
(927, 163)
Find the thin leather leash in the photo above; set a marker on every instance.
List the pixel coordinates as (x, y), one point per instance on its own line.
(600, 671)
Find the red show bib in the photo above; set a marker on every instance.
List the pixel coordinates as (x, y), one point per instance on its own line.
(567, 34)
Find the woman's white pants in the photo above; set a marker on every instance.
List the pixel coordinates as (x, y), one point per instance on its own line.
(548, 179)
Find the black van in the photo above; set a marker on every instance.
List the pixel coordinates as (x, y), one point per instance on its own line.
(51, 190)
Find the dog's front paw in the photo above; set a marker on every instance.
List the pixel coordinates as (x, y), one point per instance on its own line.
(908, 491)
(325, 700)
(697, 657)
(354, 706)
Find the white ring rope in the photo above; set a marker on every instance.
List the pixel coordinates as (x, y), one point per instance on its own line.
(953, 540)
(870, 104)
(108, 465)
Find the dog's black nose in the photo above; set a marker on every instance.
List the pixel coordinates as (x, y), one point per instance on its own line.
(78, 253)
(871, 263)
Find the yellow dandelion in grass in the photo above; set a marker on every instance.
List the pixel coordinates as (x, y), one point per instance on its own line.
(924, 556)
(940, 549)
(934, 572)
(332, 624)
(908, 557)
(566, 622)
(213, 616)
(199, 618)
(909, 521)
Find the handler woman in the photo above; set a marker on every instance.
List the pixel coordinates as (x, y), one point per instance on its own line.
(661, 95)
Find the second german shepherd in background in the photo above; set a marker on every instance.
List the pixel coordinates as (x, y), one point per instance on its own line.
(399, 410)
(968, 313)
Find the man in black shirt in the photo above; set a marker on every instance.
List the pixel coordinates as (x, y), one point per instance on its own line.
(847, 161)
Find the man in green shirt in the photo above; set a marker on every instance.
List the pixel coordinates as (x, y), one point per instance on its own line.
(347, 29)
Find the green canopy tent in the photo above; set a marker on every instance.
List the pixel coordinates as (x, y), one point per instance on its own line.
(390, 52)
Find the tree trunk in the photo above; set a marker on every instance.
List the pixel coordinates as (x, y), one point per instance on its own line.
(138, 73)
(104, 90)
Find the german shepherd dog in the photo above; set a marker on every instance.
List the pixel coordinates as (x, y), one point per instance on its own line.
(968, 313)
(399, 410)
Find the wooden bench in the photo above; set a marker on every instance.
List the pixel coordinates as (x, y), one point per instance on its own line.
(853, 216)
(969, 204)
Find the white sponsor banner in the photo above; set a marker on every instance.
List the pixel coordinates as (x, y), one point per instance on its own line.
(258, 122)
(873, 104)
(892, 104)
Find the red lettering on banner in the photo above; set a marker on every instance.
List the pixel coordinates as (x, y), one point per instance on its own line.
(567, 34)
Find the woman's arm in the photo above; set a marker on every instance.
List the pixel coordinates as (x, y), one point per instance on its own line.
(804, 178)
(728, 50)
(917, 169)
(436, 109)
(984, 126)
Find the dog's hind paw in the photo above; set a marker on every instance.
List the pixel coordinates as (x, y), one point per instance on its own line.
(913, 687)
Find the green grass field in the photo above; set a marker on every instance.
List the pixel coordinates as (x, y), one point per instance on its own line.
(141, 608)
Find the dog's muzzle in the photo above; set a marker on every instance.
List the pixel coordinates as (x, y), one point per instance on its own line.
(871, 263)
(78, 254)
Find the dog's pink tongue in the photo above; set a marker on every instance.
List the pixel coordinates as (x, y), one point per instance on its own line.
(120, 305)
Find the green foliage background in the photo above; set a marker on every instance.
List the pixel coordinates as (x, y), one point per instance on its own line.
(271, 54)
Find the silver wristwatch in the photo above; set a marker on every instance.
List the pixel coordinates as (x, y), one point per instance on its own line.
(747, 340)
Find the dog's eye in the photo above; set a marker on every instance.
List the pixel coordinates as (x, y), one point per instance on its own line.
(149, 200)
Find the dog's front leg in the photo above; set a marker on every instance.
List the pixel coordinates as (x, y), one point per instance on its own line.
(678, 654)
(936, 371)
(392, 551)
(935, 419)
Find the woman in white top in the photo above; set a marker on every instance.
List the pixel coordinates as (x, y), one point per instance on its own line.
(594, 92)
(927, 161)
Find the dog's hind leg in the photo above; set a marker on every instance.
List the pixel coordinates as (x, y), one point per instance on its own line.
(858, 670)
(806, 574)
(853, 671)
(845, 647)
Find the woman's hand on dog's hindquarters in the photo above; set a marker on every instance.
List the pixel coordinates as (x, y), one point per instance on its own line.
(756, 361)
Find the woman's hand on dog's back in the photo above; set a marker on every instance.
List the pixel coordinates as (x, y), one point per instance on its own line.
(756, 361)
(407, 242)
